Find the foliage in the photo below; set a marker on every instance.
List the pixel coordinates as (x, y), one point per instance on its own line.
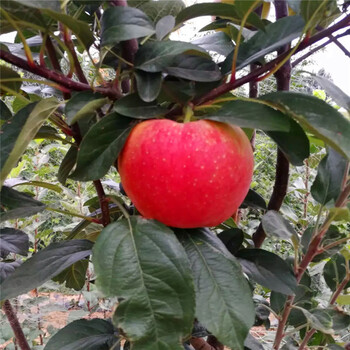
(105, 67)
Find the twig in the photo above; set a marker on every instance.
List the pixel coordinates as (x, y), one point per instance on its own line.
(103, 202)
(339, 44)
(306, 339)
(15, 325)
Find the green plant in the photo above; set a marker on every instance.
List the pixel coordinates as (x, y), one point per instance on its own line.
(110, 66)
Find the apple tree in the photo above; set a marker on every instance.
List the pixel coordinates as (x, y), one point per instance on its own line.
(110, 80)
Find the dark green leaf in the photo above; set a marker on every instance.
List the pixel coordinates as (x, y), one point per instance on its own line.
(218, 42)
(316, 116)
(195, 68)
(330, 172)
(82, 105)
(48, 132)
(268, 269)
(221, 10)
(341, 319)
(20, 130)
(8, 73)
(143, 263)
(17, 204)
(5, 113)
(232, 239)
(52, 4)
(95, 334)
(252, 343)
(320, 320)
(265, 41)
(49, 262)
(13, 241)
(294, 143)
(148, 85)
(7, 268)
(67, 164)
(74, 275)
(124, 23)
(164, 26)
(254, 200)
(224, 303)
(100, 147)
(275, 225)
(250, 114)
(334, 271)
(133, 106)
(155, 56)
(338, 95)
(43, 184)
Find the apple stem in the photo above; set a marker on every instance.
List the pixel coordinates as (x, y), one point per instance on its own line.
(188, 112)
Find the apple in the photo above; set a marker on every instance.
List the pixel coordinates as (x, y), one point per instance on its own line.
(186, 175)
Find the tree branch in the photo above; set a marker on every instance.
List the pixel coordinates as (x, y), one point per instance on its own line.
(15, 325)
(103, 202)
(339, 44)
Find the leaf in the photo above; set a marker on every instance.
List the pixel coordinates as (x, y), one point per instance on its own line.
(49, 261)
(79, 28)
(20, 130)
(340, 319)
(334, 271)
(218, 42)
(148, 85)
(223, 299)
(67, 164)
(49, 133)
(254, 200)
(43, 184)
(13, 241)
(7, 268)
(268, 269)
(343, 299)
(124, 23)
(316, 116)
(252, 343)
(155, 56)
(143, 263)
(232, 239)
(274, 224)
(294, 144)
(195, 68)
(132, 106)
(74, 275)
(265, 41)
(251, 114)
(220, 10)
(52, 4)
(164, 26)
(8, 73)
(17, 204)
(340, 214)
(338, 95)
(100, 147)
(330, 172)
(83, 104)
(95, 334)
(320, 320)
(5, 113)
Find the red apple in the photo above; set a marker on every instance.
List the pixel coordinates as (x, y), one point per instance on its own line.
(186, 175)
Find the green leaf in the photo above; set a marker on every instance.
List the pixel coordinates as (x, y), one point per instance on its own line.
(148, 85)
(338, 95)
(268, 269)
(316, 116)
(49, 133)
(79, 28)
(341, 319)
(49, 261)
(13, 241)
(334, 272)
(251, 114)
(124, 23)
(343, 299)
(20, 130)
(223, 299)
(218, 42)
(74, 275)
(196, 68)
(330, 172)
(157, 55)
(265, 41)
(320, 320)
(274, 224)
(252, 343)
(232, 239)
(221, 10)
(100, 147)
(17, 204)
(8, 73)
(67, 164)
(340, 214)
(95, 334)
(143, 263)
(83, 104)
(7, 268)
(5, 113)
(43, 184)
(294, 144)
(164, 26)
(40, 4)
(254, 200)
(132, 106)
